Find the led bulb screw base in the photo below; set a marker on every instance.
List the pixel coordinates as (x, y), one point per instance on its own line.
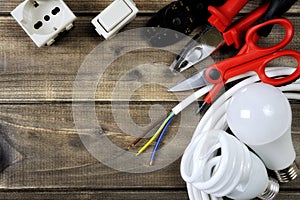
(288, 174)
(271, 191)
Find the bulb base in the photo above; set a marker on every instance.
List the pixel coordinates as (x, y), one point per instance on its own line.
(271, 191)
(288, 174)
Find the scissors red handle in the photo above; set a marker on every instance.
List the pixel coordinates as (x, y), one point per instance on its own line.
(254, 58)
(252, 37)
(259, 66)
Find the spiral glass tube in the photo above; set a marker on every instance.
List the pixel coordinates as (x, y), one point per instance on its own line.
(216, 164)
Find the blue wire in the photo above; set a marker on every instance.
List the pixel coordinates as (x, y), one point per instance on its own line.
(160, 138)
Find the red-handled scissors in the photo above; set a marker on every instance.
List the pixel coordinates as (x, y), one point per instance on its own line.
(250, 58)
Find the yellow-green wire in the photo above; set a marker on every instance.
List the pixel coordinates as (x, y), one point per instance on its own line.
(156, 134)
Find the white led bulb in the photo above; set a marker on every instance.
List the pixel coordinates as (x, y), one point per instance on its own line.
(260, 116)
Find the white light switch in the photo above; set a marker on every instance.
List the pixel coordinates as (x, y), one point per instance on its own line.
(114, 17)
(120, 10)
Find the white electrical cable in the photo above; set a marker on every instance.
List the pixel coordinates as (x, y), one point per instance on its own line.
(215, 118)
(292, 96)
(199, 93)
(190, 99)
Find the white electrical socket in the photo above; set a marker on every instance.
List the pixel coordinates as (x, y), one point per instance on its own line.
(114, 17)
(43, 20)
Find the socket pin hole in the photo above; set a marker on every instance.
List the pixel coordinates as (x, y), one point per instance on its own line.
(38, 25)
(46, 18)
(35, 4)
(55, 11)
(55, 28)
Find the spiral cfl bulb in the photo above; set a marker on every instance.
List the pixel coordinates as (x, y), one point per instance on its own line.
(260, 116)
(236, 173)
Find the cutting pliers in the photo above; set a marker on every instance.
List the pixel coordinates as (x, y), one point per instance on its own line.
(222, 31)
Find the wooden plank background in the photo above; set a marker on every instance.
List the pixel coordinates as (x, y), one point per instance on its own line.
(43, 157)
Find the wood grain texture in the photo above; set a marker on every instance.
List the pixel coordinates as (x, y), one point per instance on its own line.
(111, 195)
(106, 194)
(31, 74)
(42, 154)
(53, 155)
(150, 6)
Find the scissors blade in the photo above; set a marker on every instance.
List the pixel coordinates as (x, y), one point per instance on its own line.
(196, 80)
(209, 40)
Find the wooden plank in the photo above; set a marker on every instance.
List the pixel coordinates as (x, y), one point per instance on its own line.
(144, 6)
(109, 195)
(113, 195)
(53, 156)
(43, 154)
(30, 74)
(92, 7)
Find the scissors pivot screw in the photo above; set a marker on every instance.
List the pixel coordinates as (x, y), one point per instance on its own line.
(214, 74)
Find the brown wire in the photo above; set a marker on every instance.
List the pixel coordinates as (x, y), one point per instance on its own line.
(157, 122)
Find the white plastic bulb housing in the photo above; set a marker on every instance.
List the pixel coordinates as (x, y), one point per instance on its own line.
(260, 116)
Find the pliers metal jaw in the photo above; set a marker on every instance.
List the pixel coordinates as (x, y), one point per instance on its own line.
(197, 49)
